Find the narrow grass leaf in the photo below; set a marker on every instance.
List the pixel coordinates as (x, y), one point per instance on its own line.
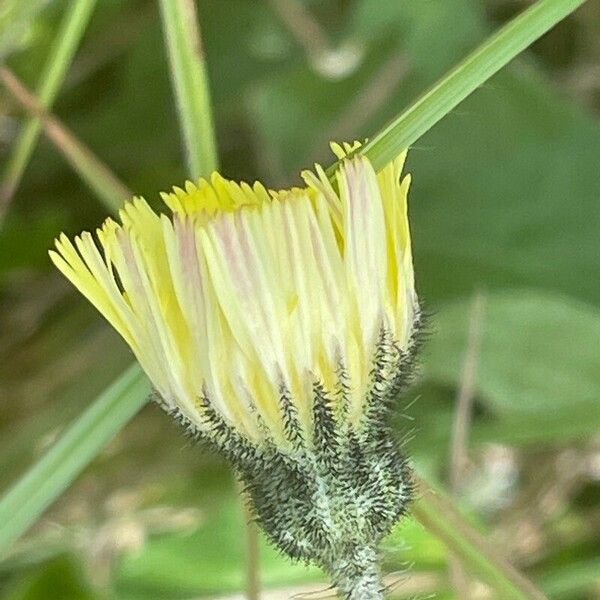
(67, 40)
(439, 515)
(465, 78)
(190, 82)
(54, 472)
(84, 162)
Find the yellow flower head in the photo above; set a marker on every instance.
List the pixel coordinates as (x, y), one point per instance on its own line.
(242, 296)
(279, 327)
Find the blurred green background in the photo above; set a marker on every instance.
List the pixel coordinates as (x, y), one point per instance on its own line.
(505, 207)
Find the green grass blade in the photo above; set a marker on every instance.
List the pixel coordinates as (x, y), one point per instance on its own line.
(188, 72)
(61, 54)
(465, 78)
(85, 163)
(49, 477)
(438, 514)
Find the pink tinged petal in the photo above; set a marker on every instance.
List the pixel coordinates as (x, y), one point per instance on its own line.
(299, 268)
(166, 369)
(184, 273)
(364, 252)
(260, 272)
(329, 272)
(190, 283)
(242, 290)
(95, 279)
(242, 319)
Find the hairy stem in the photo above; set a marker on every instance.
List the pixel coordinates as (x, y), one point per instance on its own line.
(357, 576)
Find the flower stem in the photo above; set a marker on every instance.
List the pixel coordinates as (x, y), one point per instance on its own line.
(357, 576)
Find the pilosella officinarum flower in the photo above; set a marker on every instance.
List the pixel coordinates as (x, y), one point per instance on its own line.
(279, 327)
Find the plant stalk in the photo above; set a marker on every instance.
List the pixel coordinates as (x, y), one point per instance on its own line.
(460, 82)
(357, 576)
(84, 162)
(60, 57)
(190, 82)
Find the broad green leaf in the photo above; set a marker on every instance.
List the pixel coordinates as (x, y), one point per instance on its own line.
(538, 353)
(60, 579)
(506, 194)
(432, 413)
(537, 375)
(167, 567)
